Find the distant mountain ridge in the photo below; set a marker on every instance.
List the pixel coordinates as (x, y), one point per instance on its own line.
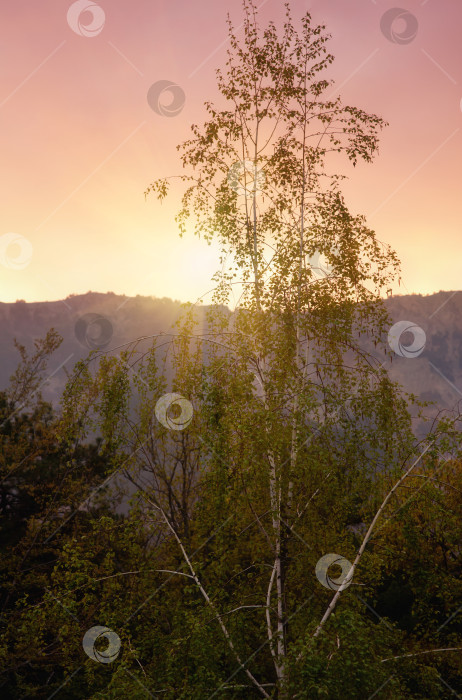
(86, 319)
(85, 322)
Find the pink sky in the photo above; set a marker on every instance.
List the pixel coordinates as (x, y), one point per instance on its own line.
(80, 142)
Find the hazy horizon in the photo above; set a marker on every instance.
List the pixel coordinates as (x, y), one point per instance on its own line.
(176, 300)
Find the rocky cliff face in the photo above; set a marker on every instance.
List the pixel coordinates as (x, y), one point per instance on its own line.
(110, 320)
(436, 373)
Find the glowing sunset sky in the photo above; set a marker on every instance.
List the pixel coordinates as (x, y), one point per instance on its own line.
(80, 143)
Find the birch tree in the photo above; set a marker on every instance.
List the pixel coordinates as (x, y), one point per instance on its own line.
(266, 186)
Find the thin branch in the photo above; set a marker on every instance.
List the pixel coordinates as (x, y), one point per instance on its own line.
(428, 651)
(208, 600)
(268, 616)
(366, 539)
